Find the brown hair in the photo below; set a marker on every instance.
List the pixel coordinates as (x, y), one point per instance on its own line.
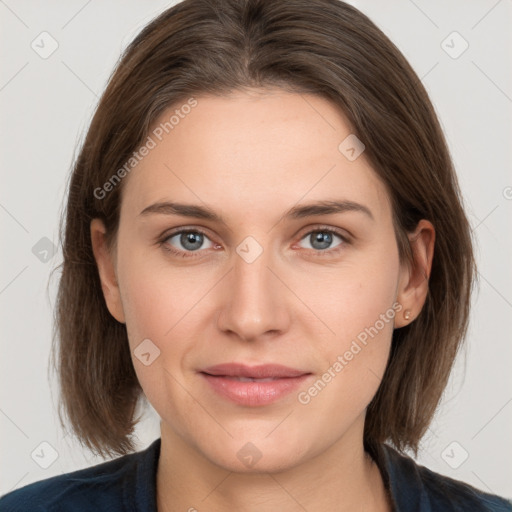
(324, 47)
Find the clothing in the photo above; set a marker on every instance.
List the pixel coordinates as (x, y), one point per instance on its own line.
(128, 484)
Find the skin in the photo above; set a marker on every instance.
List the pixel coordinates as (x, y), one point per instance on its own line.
(251, 156)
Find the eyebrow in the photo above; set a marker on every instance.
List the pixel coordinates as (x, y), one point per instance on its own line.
(297, 212)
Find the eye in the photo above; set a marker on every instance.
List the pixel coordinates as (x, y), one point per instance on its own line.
(186, 241)
(320, 240)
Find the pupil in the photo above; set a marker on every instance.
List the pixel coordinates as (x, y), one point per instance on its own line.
(324, 239)
(194, 239)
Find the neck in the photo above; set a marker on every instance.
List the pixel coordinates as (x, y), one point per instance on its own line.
(342, 478)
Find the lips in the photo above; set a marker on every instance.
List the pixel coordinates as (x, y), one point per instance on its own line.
(253, 386)
(260, 372)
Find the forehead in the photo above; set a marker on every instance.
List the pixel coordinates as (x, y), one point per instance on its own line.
(252, 153)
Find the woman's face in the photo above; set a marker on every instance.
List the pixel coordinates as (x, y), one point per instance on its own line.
(315, 292)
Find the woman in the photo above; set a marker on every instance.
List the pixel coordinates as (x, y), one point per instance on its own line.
(264, 238)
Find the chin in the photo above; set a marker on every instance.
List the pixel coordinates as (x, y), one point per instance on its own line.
(258, 456)
(268, 463)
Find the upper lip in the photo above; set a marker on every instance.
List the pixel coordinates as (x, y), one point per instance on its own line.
(255, 372)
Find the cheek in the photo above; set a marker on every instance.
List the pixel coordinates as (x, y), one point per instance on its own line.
(153, 296)
(358, 306)
(162, 304)
(148, 308)
(353, 296)
(153, 311)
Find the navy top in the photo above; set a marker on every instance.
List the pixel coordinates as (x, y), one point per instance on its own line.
(128, 484)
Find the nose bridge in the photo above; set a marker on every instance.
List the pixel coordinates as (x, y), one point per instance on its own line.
(254, 305)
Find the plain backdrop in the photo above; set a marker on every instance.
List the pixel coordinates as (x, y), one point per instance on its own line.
(46, 105)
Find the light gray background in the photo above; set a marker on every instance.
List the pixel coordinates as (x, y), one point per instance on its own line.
(46, 105)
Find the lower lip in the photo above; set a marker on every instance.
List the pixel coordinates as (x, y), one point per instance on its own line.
(254, 393)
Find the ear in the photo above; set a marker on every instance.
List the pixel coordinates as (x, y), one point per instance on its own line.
(106, 269)
(413, 282)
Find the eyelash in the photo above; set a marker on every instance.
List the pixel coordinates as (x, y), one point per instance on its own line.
(191, 254)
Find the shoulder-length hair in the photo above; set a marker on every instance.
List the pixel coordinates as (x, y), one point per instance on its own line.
(323, 47)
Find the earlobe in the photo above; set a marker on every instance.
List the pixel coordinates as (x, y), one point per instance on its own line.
(414, 278)
(106, 270)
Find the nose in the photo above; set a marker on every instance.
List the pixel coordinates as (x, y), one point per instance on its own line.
(255, 302)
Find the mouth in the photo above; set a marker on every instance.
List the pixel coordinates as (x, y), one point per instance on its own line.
(260, 372)
(253, 386)
(248, 379)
